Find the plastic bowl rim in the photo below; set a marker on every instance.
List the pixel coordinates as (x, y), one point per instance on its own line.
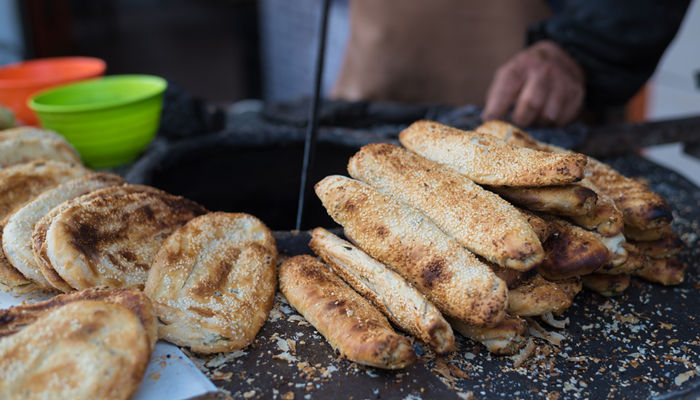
(100, 67)
(68, 108)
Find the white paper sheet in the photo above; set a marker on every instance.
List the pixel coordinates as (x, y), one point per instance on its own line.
(169, 375)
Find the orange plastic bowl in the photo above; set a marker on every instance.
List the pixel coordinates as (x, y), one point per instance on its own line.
(19, 81)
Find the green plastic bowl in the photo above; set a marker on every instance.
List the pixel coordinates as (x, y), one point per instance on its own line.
(109, 120)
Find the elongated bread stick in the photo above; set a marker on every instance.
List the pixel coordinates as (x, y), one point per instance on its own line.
(666, 271)
(476, 218)
(667, 246)
(386, 289)
(606, 285)
(349, 322)
(538, 296)
(643, 235)
(450, 276)
(565, 200)
(572, 251)
(641, 208)
(635, 260)
(488, 160)
(604, 218)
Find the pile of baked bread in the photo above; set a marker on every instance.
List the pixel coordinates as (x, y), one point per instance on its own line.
(476, 231)
(134, 263)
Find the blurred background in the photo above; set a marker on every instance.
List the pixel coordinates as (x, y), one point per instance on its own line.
(228, 50)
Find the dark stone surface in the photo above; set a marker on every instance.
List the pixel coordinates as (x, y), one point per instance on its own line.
(632, 346)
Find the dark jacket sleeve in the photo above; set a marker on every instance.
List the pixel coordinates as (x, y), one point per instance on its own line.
(617, 43)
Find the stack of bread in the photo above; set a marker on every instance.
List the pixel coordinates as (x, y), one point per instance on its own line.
(208, 277)
(476, 231)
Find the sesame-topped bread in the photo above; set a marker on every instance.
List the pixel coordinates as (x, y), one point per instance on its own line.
(111, 240)
(213, 282)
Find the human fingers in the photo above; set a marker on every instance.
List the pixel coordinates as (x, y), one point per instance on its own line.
(572, 106)
(533, 96)
(503, 91)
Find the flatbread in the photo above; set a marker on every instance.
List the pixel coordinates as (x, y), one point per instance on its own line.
(42, 226)
(24, 150)
(83, 350)
(27, 132)
(112, 240)
(19, 184)
(16, 237)
(14, 319)
(213, 282)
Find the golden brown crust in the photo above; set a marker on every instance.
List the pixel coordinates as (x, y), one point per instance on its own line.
(511, 134)
(19, 184)
(83, 350)
(511, 277)
(26, 144)
(664, 247)
(23, 182)
(571, 251)
(488, 160)
(476, 218)
(42, 226)
(538, 296)
(604, 218)
(666, 271)
(17, 231)
(24, 150)
(643, 235)
(635, 260)
(10, 277)
(606, 285)
(450, 276)
(349, 322)
(538, 225)
(565, 200)
(112, 240)
(213, 282)
(640, 207)
(14, 319)
(506, 338)
(387, 290)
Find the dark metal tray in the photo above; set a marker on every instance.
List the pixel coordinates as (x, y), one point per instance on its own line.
(644, 343)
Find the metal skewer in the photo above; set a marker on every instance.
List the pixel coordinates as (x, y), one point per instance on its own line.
(312, 124)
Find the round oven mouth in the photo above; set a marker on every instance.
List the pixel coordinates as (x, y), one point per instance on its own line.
(225, 174)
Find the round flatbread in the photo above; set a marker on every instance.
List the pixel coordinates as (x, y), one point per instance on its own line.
(17, 233)
(213, 282)
(25, 144)
(83, 350)
(42, 226)
(111, 240)
(19, 184)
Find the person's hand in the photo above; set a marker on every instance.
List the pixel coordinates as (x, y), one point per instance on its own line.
(545, 85)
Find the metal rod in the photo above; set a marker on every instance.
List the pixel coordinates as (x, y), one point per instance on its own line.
(312, 123)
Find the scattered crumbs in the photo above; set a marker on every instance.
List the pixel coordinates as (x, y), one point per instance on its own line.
(223, 358)
(249, 394)
(155, 376)
(682, 378)
(221, 376)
